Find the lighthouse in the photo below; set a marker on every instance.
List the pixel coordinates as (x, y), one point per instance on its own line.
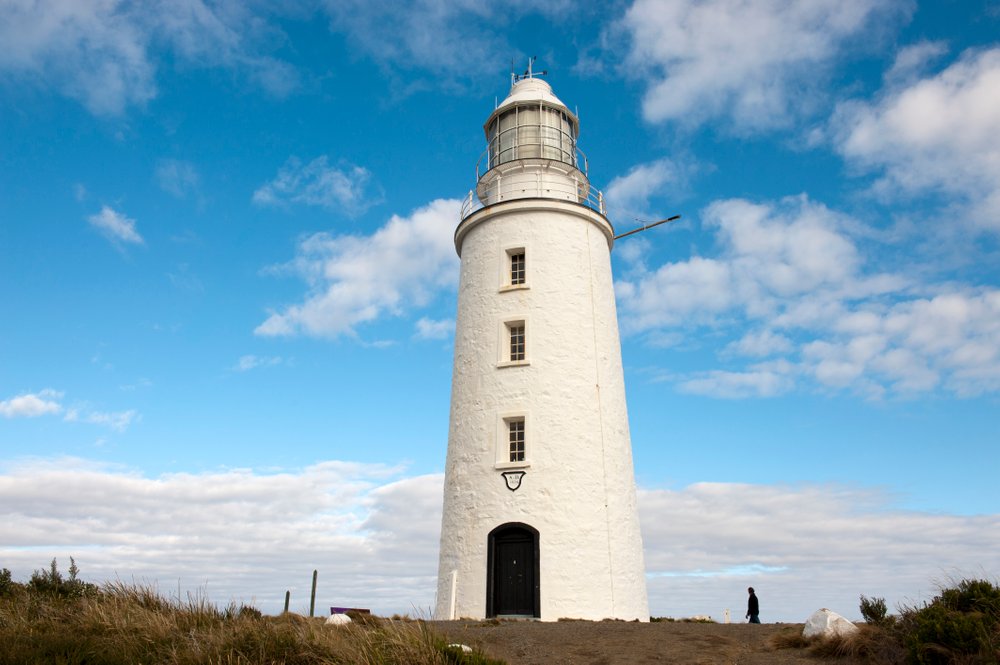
(539, 517)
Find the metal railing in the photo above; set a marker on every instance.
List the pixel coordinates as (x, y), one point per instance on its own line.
(594, 198)
(493, 160)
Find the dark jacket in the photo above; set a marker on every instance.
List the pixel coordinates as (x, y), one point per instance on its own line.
(752, 606)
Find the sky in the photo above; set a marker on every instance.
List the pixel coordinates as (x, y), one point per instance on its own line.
(228, 286)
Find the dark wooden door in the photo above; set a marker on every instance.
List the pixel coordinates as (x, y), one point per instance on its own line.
(514, 572)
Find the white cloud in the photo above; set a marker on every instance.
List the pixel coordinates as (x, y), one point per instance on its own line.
(119, 421)
(801, 547)
(758, 63)
(234, 35)
(92, 50)
(249, 362)
(115, 226)
(939, 134)
(769, 252)
(358, 279)
(346, 190)
(32, 405)
(790, 284)
(760, 343)
(104, 53)
(177, 177)
(431, 329)
(49, 402)
(437, 36)
(372, 533)
(735, 385)
(911, 61)
(630, 194)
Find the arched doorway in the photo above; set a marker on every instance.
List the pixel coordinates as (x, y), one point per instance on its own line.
(512, 580)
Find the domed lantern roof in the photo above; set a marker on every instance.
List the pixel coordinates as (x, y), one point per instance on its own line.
(531, 92)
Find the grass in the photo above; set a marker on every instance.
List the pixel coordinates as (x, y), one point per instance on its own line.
(121, 624)
(681, 620)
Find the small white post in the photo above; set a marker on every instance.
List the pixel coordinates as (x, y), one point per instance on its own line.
(725, 615)
(454, 596)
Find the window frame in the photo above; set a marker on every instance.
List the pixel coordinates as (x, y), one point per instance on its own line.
(508, 328)
(516, 440)
(502, 459)
(507, 255)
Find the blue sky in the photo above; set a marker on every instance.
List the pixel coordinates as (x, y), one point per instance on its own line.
(228, 286)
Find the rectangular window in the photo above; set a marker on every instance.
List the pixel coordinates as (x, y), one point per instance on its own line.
(515, 439)
(516, 341)
(517, 268)
(512, 342)
(512, 440)
(513, 271)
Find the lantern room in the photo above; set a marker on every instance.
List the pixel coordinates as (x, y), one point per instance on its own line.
(531, 150)
(531, 122)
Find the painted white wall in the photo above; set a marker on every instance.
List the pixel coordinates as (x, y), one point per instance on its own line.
(579, 488)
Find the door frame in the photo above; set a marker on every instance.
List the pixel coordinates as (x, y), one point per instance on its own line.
(491, 548)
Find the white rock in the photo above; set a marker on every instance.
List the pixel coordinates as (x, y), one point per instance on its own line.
(465, 649)
(826, 623)
(338, 620)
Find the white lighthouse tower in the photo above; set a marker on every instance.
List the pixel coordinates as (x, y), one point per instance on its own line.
(539, 496)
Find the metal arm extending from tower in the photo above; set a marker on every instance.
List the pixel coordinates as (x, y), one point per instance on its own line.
(648, 226)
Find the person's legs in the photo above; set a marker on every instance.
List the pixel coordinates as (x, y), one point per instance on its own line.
(754, 618)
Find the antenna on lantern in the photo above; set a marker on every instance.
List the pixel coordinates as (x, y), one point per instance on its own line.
(647, 225)
(528, 73)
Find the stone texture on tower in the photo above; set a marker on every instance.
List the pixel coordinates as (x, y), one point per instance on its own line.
(540, 512)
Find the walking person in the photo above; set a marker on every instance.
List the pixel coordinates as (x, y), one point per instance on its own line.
(753, 607)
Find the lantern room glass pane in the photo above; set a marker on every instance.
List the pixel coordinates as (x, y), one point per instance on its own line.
(528, 134)
(508, 137)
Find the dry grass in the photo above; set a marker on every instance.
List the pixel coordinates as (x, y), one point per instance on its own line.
(124, 624)
(871, 644)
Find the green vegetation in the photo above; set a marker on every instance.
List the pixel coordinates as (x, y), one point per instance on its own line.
(65, 621)
(874, 611)
(962, 622)
(960, 626)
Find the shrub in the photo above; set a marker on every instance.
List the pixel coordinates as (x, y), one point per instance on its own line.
(52, 582)
(7, 585)
(874, 611)
(962, 623)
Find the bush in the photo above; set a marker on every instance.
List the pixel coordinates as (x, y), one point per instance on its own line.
(874, 611)
(960, 624)
(51, 582)
(7, 585)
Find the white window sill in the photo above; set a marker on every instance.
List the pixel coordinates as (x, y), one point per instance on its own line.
(514, 287)
(513, 363)
(506, 466)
